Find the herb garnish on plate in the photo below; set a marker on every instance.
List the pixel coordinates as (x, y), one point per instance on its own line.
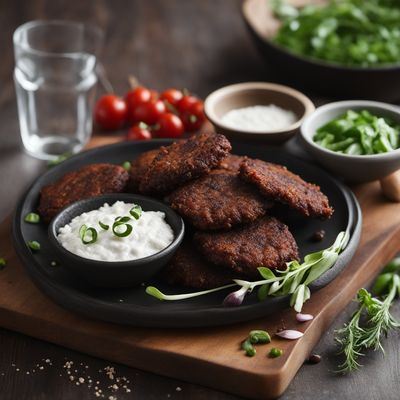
(293, 281)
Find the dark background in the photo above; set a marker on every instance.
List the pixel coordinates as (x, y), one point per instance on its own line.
(198, 44)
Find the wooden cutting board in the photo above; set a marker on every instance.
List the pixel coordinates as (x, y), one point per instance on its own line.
(208, 356)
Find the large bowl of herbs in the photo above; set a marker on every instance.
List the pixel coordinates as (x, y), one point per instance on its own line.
(358, 140)
(346, 48)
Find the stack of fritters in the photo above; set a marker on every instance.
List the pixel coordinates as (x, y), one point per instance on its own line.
(223, 198)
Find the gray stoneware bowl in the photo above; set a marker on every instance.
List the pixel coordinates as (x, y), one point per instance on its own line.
(120, 273)
(225, 99)
(353, 168)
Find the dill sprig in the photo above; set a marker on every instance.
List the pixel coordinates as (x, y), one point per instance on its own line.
(372, 321)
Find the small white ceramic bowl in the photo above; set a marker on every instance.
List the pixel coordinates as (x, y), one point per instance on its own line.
(353, 168)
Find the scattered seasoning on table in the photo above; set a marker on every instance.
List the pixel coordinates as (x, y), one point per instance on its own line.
(318, 235)
(54, 263)
(79, 375)
(314, 359)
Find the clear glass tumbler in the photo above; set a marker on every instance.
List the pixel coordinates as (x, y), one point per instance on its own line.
(55, 80)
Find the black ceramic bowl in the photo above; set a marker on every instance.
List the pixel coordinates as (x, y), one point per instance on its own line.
(378, 83)
(120, 273)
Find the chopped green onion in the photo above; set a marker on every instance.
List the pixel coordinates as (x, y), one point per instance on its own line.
(61, 158)
(3, 263)
(32, 218)
(258, 336)
(122, 219)
(136, 211)
(120, 223)
(274, 353)
(104, 226)
(248, 348)
(126, 165)
(84, 230)
(34, 245)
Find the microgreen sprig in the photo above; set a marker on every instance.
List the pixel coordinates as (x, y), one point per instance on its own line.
(372, 321)
(293, 281)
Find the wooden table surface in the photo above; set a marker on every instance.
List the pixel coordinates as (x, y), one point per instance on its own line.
(199, 44)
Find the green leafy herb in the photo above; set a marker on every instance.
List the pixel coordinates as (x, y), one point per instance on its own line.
(3, 263)
(126, 165)
(359, 133)
(34, 245)
(293, 281)
(87, 235)
(119, 223)
(248, 347)
(348, 32)
(61, 158)
(136, 211)
(372, 321)
(275, 352)
(104, 226)
(32, 218)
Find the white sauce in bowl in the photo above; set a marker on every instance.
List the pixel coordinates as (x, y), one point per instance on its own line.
(259, 118)
(150, 234)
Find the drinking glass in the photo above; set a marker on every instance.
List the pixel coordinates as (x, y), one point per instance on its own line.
(55, 80)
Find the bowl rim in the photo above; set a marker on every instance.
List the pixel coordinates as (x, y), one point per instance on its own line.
(213, 97)
(366, 104)
(113, 265)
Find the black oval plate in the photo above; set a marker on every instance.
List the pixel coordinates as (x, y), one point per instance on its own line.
(133, 306)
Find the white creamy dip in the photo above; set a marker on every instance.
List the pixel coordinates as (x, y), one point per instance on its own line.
(259, 118)
(150, 234)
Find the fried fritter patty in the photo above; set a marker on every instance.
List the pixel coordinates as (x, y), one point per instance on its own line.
(266, 242)
(231, 163)
(139, 166)
(183, 161)
(277, 183)
(218, 201)
(90, 181)
(189, 268)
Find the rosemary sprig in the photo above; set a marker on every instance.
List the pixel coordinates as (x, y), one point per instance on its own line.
(372, 321)
(293, 281)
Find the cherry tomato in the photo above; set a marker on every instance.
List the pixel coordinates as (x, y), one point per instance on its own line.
(149, 112)
(139, 132)
(110, 112)
(194, 117)
(184, 104)
(172, 96)
(136, 97)
(169, 126)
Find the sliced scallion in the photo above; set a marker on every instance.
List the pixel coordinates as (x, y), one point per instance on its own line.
(104, 226)
(3, 263)
(126, 165)
(136, 211)
(34, 245)
(85, 231)
(121, 223)
(32, 218)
